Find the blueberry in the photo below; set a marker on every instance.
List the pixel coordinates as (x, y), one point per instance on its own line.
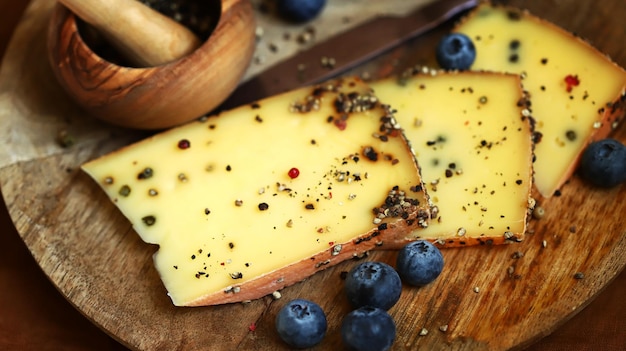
(301, 323)
(299, 11)
(368, 328)
(419, 263)
(603, 163)
(374, 284)
(456, 51)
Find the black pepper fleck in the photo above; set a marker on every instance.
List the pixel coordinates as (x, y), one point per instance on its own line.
(514, 15)
(149, 220)
(370, 153)
(416, 188)
(146, 173)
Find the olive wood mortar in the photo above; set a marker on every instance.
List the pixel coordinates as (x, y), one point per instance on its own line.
(154, 97)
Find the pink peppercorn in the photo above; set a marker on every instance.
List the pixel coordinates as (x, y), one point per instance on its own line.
(571, 81)
(293, 173)
(184, 144)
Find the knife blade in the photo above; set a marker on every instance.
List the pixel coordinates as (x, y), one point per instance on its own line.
(348, 49)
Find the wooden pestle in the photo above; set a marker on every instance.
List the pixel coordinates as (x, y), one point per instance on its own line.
(143, 35)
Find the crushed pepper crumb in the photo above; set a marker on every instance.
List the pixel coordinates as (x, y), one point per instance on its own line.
(65, 139)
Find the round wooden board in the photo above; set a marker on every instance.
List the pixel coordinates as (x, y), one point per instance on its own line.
(90, 252)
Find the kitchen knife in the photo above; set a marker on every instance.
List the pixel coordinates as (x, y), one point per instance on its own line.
(346, 50)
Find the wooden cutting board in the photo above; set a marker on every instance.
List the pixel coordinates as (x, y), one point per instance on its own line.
(90, 252)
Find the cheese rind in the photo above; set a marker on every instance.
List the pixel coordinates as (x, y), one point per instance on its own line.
(471, 132)
(577, 93)
(234, 222)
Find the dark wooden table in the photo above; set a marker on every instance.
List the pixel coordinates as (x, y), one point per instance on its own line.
(34, 316)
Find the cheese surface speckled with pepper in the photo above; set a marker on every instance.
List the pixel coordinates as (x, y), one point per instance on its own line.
(260, 197)
(471, 133)
(577, 93)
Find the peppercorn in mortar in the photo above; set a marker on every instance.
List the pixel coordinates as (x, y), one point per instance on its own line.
(260, 197)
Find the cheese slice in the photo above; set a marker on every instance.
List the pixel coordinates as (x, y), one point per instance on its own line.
(577, 94)
(260, 197)
(472, 134)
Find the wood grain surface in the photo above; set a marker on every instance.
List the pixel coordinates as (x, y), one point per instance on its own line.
(90, 253)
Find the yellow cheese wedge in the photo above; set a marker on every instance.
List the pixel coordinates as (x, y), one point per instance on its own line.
(577, 93)
(472, 135)
(260, 197)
